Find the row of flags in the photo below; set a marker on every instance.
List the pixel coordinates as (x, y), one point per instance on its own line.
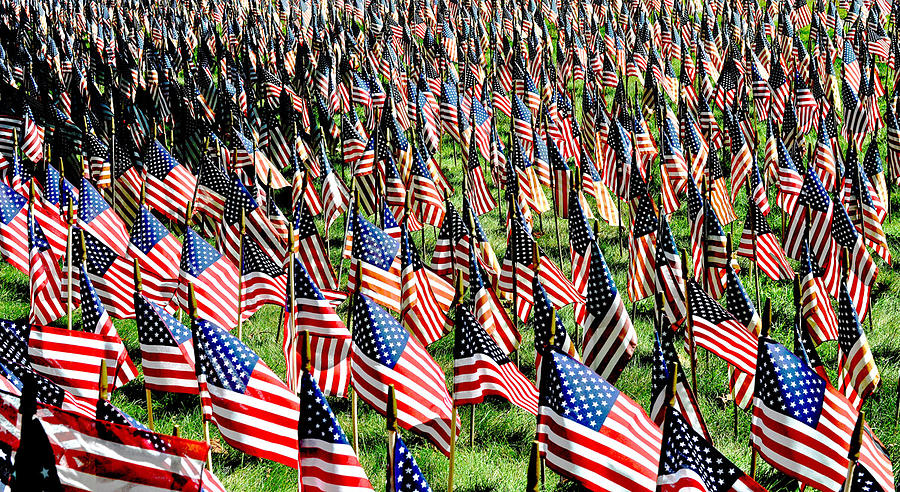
(142, 152)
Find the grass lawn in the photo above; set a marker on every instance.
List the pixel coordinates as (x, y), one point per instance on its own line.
(498, 459)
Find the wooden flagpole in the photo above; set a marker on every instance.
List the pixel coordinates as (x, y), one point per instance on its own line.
(535, 466)
(138, 288)
(70, 216)
(766, 327)
(457, 298)
(103, 383)
(240, 283)
(391, 426)
(853, 455)
(689, 323)
(291, 315)
(354, 398)
(755, 263)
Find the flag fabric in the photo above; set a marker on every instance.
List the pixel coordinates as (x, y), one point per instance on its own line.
(254, 410)
(759, 244)
(214, 278)
(167, 349)
(669, 274)
(376, 258)
(857, 372)
(613, 445)
(170, 185)
(111, 275)
(427, 200)
(384, 353)
(158, 253)
(690, 462)
(641, 254)
(262, 280)
(45, 278)
(739, 305)
(481, 368)
(485, 305)
(312, 251)
(449, 239)
(98, 218)
(818, 317)
(13, 236)
(719, 331)
(814, 200)
(327, 460)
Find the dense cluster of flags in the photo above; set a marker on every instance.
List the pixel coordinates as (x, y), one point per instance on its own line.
(143, 152)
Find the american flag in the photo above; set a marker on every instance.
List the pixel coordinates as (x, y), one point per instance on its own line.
(805, 434)
(13, 237)
(579, 444)
(450, 238)
(861, 265)
(335, 195)
(212, 189)
(72, 359)
(549, 331)
(214, 278)
(426, 198)
(98, 218)
(327, 460)
(112, 455)
(312, 252)
(32, 138)
(609, 336)
(741, 156)
(857, 372)
(739, 305)
(863, 204)
(426, 296)
(790, 181)
(258, 225)
(718, 331)
(485, 305)
(664, 358)
(581, 241)
(480, 367)
(45, 278)
(690, 462)
(111, 275)
(384, 353)
(262, 280)
(170, 185)
(167, 349)
(641, 254)
(818, 314)
(252, 407)
(669, 277)
(376, 261)
(158, 253)
(823, 158)
(476, 186)
(405, 473)
(707, 242)
(759, 243)
(329, 338)
(450, 108)
(814, 199)
(674, 166)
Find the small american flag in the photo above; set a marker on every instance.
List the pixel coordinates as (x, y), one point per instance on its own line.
(312, 252)
(258, 226)
(167, 349)
(817, 422)
(335, 195)
(690, 462)
(262, 280)
(674, 167)
(327, 460)
(741, 156)
(214, 278)
(863, 204)
(759, 243)
(426, 297)
(170, 185)
(719, 331)
(112, 275)
(450, 238)
(614, 422)
(707, 242)
(45, 278)
(814, 199)
(252, 407)
(407, 477)
(790, 181)
(13, 229)
(857, 372)
(158, 254)
(328, 337)
(384, 353)
(663, 358)
(480, 367)
(72, 359)
(486, 307)
(426, 198)
(376, 257)
(98, 218)
(824, 159)
(862, 266)
(669, 279)
(641, 254)
(476, 187)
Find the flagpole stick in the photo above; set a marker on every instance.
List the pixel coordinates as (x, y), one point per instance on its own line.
(103, 383)
(240, 284)
(689, 323)
(391, 425)
(535, 465)
(454, 411)
(306, 366)
(138, 288)
(853, 455)
(766, 327)
(729, 246)
(69, 261)
(291, 369)
(354, 398)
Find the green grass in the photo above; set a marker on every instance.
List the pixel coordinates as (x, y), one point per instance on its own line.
(503, 433)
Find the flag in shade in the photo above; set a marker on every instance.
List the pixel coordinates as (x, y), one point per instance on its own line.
(258, 225)
(609, 336)
(167, 349)
(739, 305)
(426, 198)
(857, 372)
(607, 445)
(98, 218)
(664, 358)
(112, 276)
(158, 254)
(759, 243)
(376, 261)
(384, 353)
(719, 331)
(169, 185)
(481, 368)
(13, 225)
(449, 239)
(214, 278)
(253, 409)
(581, 240)
(45, 278)
(329, 338)
(72, 359)
(790, 181)
(426, 296)
(806, 434)
(327, 460)
(549, 331)
(690, 462)
(669, 273)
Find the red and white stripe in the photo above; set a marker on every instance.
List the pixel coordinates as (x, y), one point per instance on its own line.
(480, 375)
